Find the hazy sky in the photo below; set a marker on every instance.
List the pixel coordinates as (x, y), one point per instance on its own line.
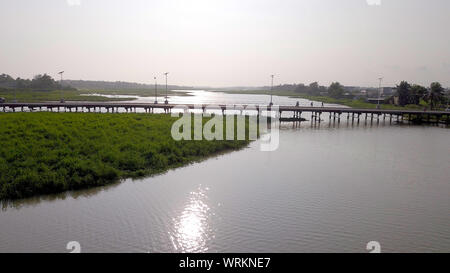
(228, 43)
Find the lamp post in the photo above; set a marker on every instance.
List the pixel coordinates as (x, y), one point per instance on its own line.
(61, 74)
(167, 101)
(271, 91)
(156, 91)
(379, 93)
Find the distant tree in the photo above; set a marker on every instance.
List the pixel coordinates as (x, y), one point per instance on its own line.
(301, 88)
(403, 91)
(435, 95)
(44, 82)
(22, 83)
(314, 88)
(417, 92)
(336, 90)
(5, 78)
(7, 81)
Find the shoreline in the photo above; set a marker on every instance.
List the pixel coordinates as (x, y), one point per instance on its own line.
(46, 153)
(325, 99)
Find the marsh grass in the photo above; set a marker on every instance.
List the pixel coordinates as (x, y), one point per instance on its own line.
(43, 153)
(28, 95)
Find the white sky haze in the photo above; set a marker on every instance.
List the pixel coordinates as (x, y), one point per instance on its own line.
(228, 43)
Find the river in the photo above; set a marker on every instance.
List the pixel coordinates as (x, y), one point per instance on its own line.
(327, 188)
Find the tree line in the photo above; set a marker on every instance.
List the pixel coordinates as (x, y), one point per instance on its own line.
(39, 82)
(406, 93)
(413, 94)
(335, 90)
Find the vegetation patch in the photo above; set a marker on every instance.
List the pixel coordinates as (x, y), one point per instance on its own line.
(43, 153)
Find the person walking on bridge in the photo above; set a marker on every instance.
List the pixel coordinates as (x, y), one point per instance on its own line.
(312, 104)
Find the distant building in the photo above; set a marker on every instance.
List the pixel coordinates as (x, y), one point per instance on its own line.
(360, 95)
(388, 91)
(352, 89)
(376, 100)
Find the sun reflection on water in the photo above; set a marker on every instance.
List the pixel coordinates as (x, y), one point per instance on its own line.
(192, 230)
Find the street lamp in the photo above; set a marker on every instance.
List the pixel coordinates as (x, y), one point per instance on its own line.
(379, 93)
(167, 101)
(61, 74)
(271, 91)
(156, 91)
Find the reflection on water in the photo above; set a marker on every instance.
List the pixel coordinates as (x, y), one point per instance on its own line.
(33, 201)
(330, 187)
(192, 229)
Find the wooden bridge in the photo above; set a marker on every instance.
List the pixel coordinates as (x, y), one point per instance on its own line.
(334, 113)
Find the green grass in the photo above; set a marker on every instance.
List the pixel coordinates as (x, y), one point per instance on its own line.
(142, 92)
(54, 95)
(44, 152)
(77, 95)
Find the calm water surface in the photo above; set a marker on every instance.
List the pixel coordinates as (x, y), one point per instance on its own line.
(328, 188)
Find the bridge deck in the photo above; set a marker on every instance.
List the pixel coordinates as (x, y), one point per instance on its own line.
(337, 110)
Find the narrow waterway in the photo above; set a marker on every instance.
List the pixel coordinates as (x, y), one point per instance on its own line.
(327, 188)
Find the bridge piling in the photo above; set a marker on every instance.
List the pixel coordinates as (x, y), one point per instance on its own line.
(334, 113)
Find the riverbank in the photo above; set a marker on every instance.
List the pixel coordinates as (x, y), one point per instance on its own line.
(359, 103)
(26, 95)
(347, 102)
(43, 153)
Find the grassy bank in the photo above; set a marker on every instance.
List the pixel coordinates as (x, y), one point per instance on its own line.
(54, 152)
(358, 103)
(142, 93)
(78, 95)
(347, 102)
